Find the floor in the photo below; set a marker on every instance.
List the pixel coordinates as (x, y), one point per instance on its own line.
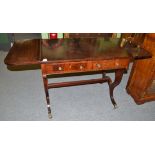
(22, 98)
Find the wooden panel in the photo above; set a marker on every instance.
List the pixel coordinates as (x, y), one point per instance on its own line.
(141, 72)
(79, 66)
(59, 67)
(121, 63)
(111, 64)
(141, 81)
(151, 84)
(55, 68)
(25, 52)
(103, 65)
(149, 44)
(68, 67)
(151, 89)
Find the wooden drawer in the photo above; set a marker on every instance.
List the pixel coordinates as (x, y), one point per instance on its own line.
(110, 64)
(79, 66)
(69, 67)
(55, 68)
(101, 65)
(121, 63)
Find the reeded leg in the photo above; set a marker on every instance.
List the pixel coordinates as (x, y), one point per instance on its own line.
(47, 96)
(112, 85)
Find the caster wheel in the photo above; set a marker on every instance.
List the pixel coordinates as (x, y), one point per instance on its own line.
(49, 115)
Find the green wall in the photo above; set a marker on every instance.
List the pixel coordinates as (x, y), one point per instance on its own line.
(4, 38)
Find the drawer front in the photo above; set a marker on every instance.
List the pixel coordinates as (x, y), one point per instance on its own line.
(69, 67)
(111, 64)
(122, 63)
(55, 68)
(100, 65)
(58, 67)
(79, 66)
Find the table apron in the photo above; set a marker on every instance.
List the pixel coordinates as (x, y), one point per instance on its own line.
(84, 66)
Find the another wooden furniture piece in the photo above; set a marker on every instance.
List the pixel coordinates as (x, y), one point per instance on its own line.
(132, 39)
(141, 84)
(74, 56)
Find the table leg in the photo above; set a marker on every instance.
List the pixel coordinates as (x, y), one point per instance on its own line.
(45, 81)
(112, 85)
(103, 74)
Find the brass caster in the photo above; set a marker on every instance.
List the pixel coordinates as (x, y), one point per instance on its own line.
(115, 106)
(49, 115)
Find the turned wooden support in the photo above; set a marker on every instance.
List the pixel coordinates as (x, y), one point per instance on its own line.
(45, 82)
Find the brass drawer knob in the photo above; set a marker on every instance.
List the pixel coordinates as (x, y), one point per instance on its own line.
(117, 64)
(60, 68)
(98, 65)
(81, 67)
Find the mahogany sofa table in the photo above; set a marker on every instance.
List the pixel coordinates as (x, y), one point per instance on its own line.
(74, 56)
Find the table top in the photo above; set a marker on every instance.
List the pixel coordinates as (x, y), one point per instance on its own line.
(84, 48)
(27, 52)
